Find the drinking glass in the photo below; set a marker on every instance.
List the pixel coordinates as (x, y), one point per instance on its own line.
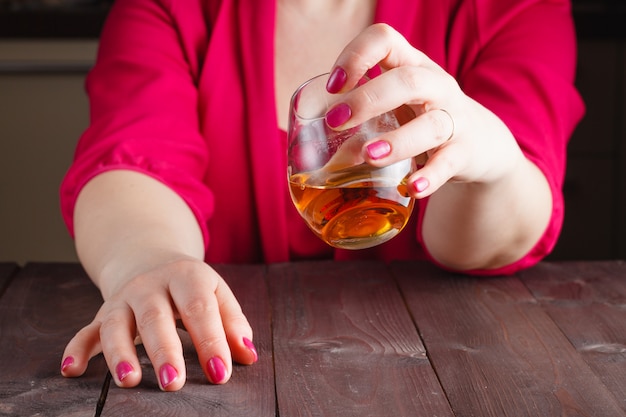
(345, 201)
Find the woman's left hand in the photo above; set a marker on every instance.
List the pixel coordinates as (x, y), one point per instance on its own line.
(464, 142)
(478, 179)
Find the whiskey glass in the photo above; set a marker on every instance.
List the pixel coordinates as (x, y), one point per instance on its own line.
(345, 201)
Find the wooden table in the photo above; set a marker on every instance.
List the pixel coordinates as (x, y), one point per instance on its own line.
(349, 339)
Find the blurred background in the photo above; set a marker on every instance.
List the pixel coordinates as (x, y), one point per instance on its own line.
(47, 47)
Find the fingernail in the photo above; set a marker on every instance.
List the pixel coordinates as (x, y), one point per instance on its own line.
(338, 115)
(217, 370)
(336, 80)
(123, 369)
(67, 362)
(248, 343)
(421, 184)
(167, 375)
(379, 149)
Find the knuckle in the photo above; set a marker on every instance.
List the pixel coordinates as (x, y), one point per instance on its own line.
(207, 344)
(402, 141)
(111, 324)
(439, 124)
(162, 352)
(112, 320)
(194, 272)
(187, 267)
(194, 309)
(410, 77)
(368, 97)
(238, 321)
(151, 317)
(383, 30)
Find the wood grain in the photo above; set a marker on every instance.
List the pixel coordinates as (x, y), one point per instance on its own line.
(350, 339)
(496, 351)
(587, 300)
(41, 310)
(250, 390)
(344, 344)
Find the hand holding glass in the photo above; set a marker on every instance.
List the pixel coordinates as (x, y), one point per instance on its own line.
(345, 201)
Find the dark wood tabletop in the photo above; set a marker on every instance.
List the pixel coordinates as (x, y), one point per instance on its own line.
(348, 339)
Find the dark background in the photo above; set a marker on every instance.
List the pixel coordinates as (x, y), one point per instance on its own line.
(83, 18)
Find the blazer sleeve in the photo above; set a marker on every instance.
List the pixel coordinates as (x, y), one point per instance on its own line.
(518, 59)
(143, 101)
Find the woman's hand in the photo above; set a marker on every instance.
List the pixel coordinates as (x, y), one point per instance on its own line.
(148, 266)
(479, 214)
(464, 141)
(148, 306)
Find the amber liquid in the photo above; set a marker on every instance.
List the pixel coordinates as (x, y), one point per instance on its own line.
(349, 209)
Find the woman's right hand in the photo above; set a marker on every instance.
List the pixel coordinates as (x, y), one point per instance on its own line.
(148, 266)
(148, 306)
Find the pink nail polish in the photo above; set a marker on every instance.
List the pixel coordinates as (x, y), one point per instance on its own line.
(167, 375)
(379, 149)
(336, 80)
(338, 115)
(123, 369)
(67, 362)
(421, 184)
(248, 343)
(216, 369)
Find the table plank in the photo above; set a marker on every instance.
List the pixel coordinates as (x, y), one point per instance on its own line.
(250, 390)
(344, 344)
(43, 307)
(496, 351)
(587, 300)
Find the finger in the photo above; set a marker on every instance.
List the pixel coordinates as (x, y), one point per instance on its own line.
(441, 167)
(428, 131)
(80, 349)
(198, 307)
(236, 325)
(378, 44)
(157, 327)
(422, 88)
(117, 335)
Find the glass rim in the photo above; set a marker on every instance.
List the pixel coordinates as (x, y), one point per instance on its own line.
(296, 94)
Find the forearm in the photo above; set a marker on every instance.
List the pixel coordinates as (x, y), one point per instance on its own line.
(142, 246)
(488, 225)
(127, 222)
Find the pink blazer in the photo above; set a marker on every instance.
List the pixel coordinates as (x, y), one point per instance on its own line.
(183, 91)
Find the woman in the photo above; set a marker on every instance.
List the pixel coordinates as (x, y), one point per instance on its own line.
(184, 162)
